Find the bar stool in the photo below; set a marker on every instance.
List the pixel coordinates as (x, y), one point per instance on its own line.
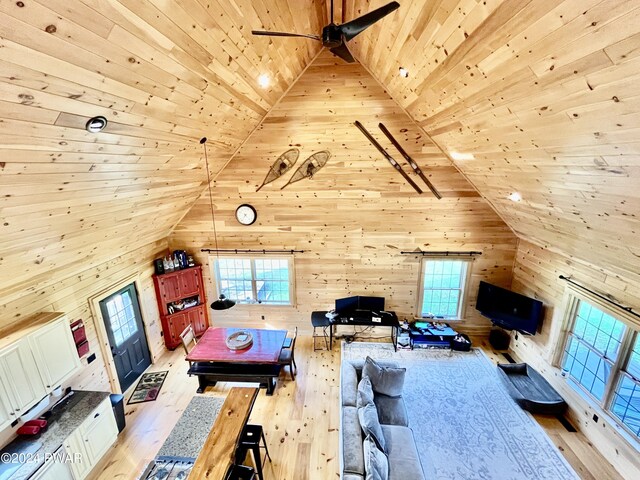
(319, 320)
(250, 440)
(241, 472)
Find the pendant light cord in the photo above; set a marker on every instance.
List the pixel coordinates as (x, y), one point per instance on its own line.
(203, 141)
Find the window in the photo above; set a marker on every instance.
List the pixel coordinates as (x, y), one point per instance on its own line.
(625, 405)
(442, 288)
(602, 357)
(264, 280)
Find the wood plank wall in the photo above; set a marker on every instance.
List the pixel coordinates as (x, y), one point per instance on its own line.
(356, 215)
(163, 74)
(536, 274)
(541, 96)
(70, 294)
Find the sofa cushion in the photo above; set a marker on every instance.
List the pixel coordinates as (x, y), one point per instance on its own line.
(404, 462)
(352, 454)
(370, 424)
(391, 410)
(385, 380)
(365, 393)
(348, 383)
(376, 465)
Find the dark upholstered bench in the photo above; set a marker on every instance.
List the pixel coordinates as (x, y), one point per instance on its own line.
(530, 390)
(209, 373)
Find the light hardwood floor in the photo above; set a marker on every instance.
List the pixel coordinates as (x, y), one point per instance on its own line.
(301, 422)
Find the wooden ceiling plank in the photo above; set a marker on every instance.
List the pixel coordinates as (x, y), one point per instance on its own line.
(36, 156)
(19, 75)
(37, 39)
(27, 113)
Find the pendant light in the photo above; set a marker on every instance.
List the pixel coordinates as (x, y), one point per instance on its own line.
(222, 303)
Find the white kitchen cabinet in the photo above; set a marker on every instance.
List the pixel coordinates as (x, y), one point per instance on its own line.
(55, 353)
(74, 447)
(7, 415)
(54, 469)
(91, 440)
(99, 431)
(19, 374)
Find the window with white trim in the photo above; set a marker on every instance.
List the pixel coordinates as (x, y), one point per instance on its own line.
(442, 288)
(601, 357)
(251, 280)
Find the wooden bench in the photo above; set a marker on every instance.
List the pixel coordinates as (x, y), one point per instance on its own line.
(210, 373)
(531, 390)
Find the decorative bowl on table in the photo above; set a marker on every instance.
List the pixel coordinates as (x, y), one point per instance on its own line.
(239, 340)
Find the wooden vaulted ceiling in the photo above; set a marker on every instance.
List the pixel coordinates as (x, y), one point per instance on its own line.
(539, 97)
(164, 73)
(540, 93)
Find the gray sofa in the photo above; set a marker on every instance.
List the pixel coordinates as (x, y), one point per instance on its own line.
(404, 462)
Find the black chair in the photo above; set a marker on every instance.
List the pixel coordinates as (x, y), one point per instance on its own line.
(241, 472)
(250, 440)
(287, 355)
(320, 321)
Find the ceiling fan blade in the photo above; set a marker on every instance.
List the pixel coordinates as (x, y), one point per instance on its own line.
(358, 25)
(343, 52)
(284, 34)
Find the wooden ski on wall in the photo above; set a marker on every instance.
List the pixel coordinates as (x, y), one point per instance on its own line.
(386, 155)
(410, 160)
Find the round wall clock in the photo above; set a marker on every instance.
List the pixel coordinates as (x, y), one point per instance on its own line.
(246, 214)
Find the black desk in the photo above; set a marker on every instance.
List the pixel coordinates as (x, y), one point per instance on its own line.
(390, 320)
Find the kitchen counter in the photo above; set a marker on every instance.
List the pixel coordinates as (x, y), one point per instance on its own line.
(182, 446)
(64, 419)
(188, 436)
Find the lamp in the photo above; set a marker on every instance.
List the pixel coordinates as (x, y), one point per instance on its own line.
(222, 303)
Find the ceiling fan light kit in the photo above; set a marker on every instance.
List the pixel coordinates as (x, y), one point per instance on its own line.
(335, 37)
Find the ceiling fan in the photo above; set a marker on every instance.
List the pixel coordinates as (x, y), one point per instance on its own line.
(335, 37)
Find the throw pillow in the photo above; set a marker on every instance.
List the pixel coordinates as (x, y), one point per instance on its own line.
(376, 463)
(385, 380)
(368, 416)
(365, 392)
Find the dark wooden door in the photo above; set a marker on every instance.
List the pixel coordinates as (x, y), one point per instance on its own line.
(123, 321)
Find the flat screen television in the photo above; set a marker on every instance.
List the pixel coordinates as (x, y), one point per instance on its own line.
(352, 304)
(509, 310)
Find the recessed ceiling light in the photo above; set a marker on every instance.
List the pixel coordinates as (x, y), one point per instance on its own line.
(404, 73)
(264, 80)
(515, 197)
(461, 156)
(96, 124)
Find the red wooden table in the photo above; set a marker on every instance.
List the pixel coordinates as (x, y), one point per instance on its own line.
(211, 347)
(213, 361)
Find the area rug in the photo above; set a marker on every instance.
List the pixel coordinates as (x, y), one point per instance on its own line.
(148, 387)
(188, 436)
(465, 424)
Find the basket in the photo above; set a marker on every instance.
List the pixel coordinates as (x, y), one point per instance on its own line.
(239, 340)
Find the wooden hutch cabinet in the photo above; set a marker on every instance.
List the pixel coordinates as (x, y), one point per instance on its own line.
(181, 302)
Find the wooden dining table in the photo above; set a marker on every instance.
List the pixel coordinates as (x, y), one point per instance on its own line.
(212, 361)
